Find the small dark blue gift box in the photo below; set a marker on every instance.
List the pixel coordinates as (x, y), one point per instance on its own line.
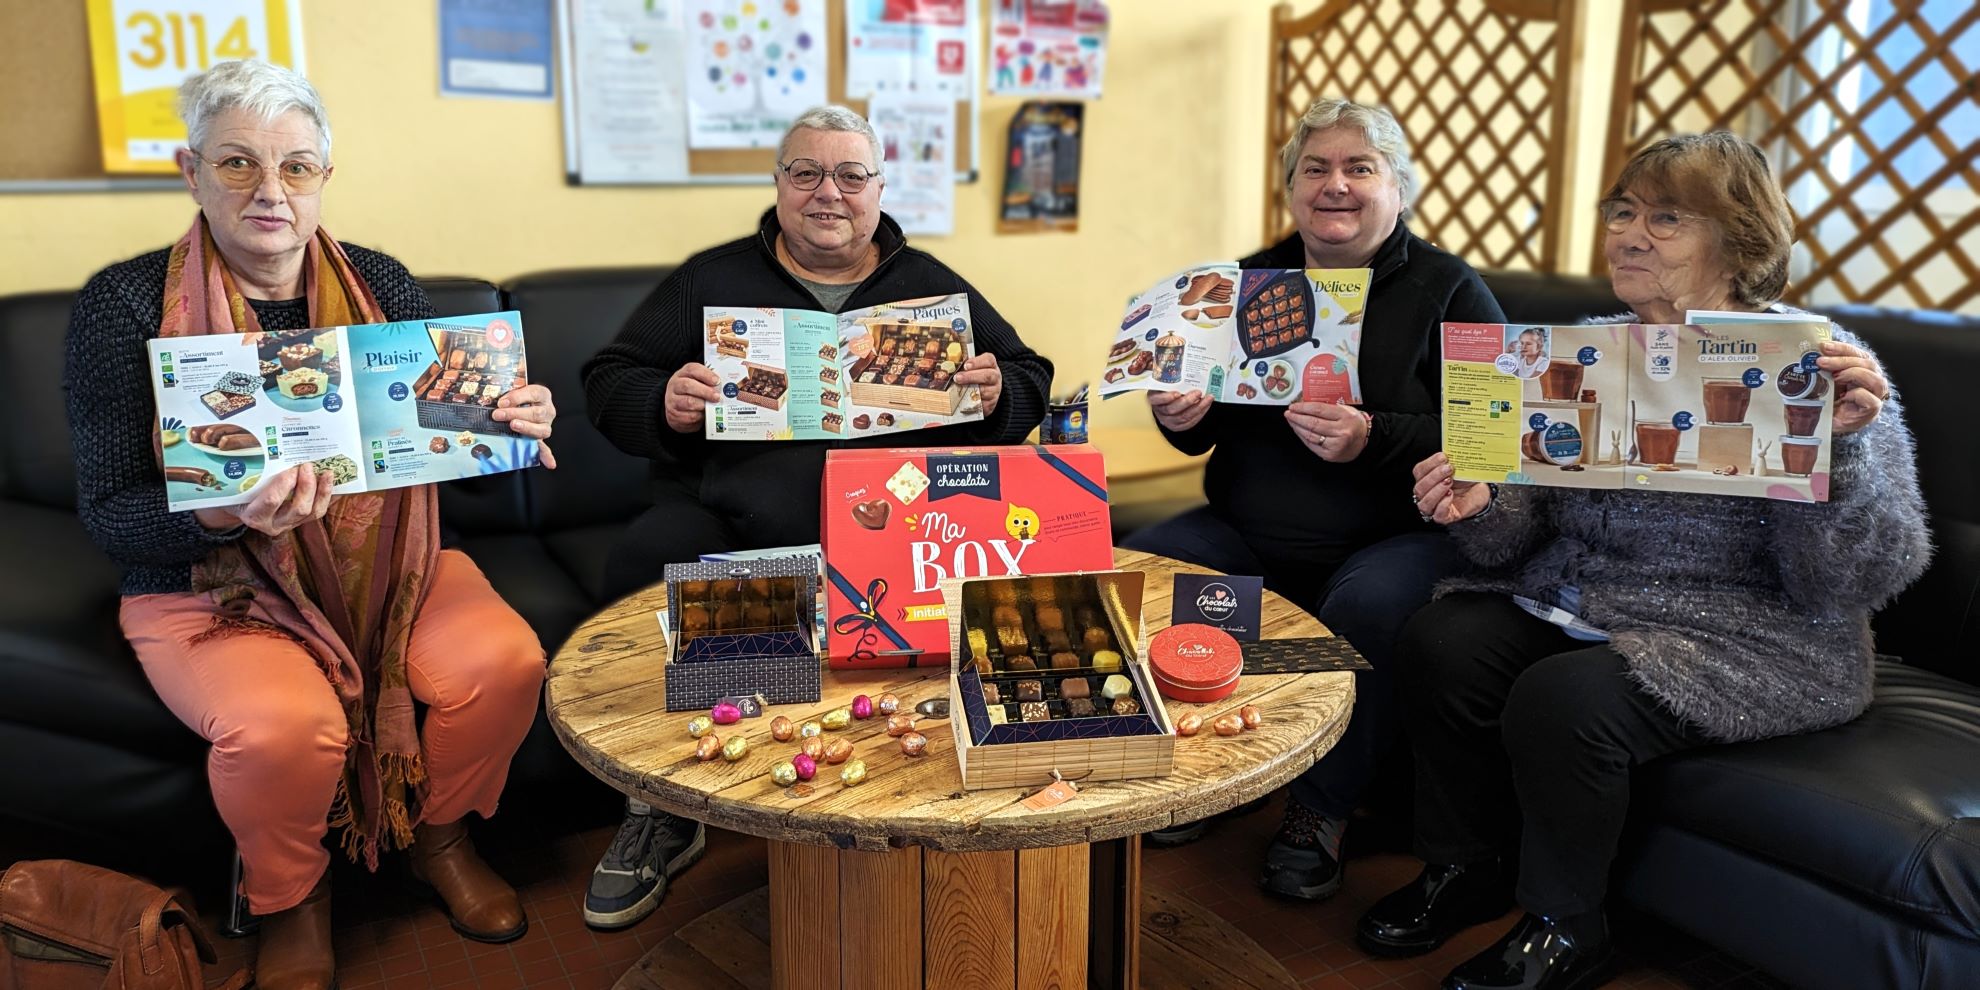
(741, 628)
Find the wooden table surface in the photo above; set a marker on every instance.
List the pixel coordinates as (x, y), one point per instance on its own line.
(607, 703)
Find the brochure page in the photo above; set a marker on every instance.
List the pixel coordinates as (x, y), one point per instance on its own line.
(379, 406)
(1259, 336)
(790, 374)
(1733, 409)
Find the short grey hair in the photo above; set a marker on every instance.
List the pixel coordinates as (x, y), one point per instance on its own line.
(832, 117)
(261, 88)
(1378, 126)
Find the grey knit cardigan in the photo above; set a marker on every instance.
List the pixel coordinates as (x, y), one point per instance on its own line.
(1746, 617)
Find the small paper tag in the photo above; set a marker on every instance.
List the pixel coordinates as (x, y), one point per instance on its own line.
(1053, 795)
(1227, 601)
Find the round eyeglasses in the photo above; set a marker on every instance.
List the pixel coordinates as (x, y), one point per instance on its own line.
(240, 173)
(806, 174)
(1662, 223)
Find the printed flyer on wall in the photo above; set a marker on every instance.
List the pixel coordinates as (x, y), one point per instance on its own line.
(1264, 336)
(794, 374)
(379, 406)
(1723, 408)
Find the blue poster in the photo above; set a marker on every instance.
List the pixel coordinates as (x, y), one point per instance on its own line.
(498, 48)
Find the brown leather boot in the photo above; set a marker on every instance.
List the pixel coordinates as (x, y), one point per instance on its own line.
(479, 904)
(294, 949)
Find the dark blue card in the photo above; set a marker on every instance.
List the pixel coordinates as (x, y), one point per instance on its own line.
(1228, 601)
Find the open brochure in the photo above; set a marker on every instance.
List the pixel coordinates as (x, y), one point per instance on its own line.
(795, 374)
(379, 406)
(1265, 336)
(1723, 408)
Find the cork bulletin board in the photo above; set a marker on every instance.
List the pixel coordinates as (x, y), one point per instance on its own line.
(48, 134)
(754, 165)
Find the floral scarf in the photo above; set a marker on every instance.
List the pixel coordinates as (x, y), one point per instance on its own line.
(346, 587)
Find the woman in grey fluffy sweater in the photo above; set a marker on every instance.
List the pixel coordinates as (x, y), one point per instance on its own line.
(1607, 628)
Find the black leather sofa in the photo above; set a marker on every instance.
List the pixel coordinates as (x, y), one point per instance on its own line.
(95, 765)
(1848, 858)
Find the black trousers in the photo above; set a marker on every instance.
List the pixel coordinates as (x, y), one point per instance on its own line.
(1524, 739)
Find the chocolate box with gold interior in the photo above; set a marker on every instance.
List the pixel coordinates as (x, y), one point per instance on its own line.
(912, 365)
(1047, 675)
(741, 628)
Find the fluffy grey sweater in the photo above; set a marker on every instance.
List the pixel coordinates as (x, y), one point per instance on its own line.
(1746, 617)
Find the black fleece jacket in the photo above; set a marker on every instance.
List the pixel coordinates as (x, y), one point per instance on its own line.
(769, 489)
(1296, 509)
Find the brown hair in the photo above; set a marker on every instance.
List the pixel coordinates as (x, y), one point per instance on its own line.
(1726, 179)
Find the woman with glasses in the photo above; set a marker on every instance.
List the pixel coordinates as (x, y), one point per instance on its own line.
(823, 245)
(1610, 628)
(296, 632)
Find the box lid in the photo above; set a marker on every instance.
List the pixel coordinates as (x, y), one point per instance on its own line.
(1196, 656)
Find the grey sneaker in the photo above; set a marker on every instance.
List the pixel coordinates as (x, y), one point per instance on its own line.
(631, 879)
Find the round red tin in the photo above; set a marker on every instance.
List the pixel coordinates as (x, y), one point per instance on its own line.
(1195, 662)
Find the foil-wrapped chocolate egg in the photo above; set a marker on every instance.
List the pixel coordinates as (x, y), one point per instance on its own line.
(837, 718)
(1251, 717)
(700, 725)
(900, 725)
(1228, 725)
(1189, 724)
(725, 714)
(805, 766)
(708, 748)
(838, 751)
(782, 730)
(912, 743)
(887, 704)
(735, 748)
(853, 774)
(811, 730)
(862, 707)
(784, 774)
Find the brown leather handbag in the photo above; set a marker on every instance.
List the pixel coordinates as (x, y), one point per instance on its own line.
(72, 926)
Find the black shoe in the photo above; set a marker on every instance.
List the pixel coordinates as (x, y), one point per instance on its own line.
(1188, 832)
(1308, 872)
(1442, 901)
(1541, 954)
(631, 878)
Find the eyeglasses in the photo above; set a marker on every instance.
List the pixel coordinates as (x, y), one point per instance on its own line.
(806, 174)
(1662, 223)
(240, 173)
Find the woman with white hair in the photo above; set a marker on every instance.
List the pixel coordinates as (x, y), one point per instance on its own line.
(1310, 496)
(824, 245)
(297, 631)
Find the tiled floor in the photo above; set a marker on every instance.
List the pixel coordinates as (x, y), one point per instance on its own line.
(390, 938)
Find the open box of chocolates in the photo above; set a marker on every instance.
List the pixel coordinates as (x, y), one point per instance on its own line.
(764, 386)
(912, 366)
(742, 628)
(1275, 319)
(1048, 675)
(458, 390)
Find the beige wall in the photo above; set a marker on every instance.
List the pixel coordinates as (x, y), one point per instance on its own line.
(1171, 172)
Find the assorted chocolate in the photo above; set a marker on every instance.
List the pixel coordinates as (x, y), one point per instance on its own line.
(460, 389)
(763, 386)
(912, 355)
(234, 392)
(1276, 319)
(735, 605)
(1043, 649)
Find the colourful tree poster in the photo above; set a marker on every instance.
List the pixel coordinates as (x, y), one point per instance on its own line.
(752, 66)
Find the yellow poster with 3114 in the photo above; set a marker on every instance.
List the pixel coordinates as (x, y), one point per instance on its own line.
(141, 50)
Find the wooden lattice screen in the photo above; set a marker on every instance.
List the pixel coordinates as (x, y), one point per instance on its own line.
(1867, 110)
(1477, 85)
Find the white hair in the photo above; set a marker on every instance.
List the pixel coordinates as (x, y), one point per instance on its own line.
(832, 117)
(264, 90)
(1378, 126)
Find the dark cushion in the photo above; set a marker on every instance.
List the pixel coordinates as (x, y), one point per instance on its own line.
(567, 317)
(524, 573)
(1532, 297)
(36, 464)
(1884, 807)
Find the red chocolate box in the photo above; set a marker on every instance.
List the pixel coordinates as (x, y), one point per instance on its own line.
(896, 522)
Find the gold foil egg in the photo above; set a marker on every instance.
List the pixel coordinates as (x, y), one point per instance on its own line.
(853, 774)
(837, 718)
(784, 774)
(700, 725)
(810, 729)
(735, 748)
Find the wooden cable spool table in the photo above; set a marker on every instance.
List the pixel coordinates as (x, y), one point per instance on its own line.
(910, 881)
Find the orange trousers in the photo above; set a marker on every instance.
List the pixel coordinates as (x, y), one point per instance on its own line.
(278, 733)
